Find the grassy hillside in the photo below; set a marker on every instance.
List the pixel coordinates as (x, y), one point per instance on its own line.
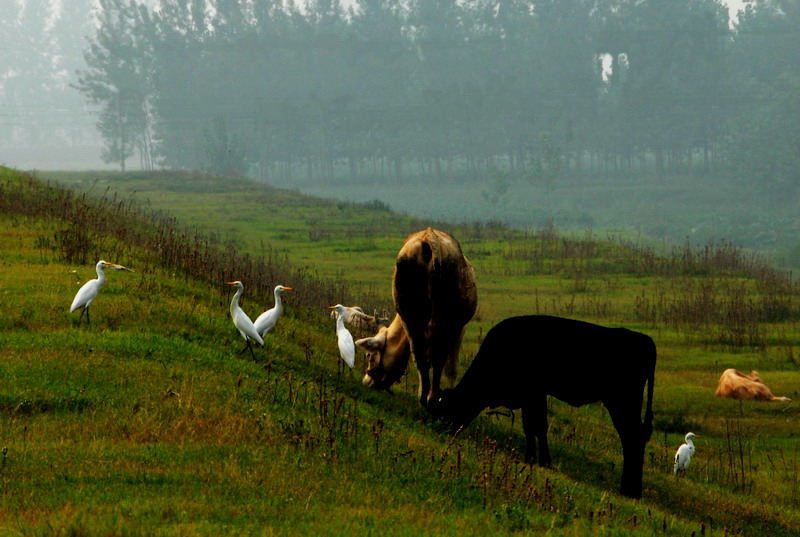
(150, 422)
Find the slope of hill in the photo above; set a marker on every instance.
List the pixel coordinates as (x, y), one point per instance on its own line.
(149, 421)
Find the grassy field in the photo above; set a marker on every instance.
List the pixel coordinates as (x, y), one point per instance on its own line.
(697, 209)
(150, 422)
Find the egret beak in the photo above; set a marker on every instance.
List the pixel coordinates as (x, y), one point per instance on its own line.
(118, 267)
(230, 283)
(288, 288)
(331, 307)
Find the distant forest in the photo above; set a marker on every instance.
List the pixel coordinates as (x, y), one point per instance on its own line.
(448, 90)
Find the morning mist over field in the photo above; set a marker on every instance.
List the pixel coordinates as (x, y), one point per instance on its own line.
(601, 229)
(673, 120)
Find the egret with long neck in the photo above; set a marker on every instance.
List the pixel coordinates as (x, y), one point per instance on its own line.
(347, 349)
(267, 320)
(88, 292)
(242, 322)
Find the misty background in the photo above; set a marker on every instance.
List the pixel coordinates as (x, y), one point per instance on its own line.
(676, 119)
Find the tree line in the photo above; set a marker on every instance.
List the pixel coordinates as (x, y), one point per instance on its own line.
(449, 90)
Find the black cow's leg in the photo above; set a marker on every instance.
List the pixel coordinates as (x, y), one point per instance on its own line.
(534, 424)
(629, 427)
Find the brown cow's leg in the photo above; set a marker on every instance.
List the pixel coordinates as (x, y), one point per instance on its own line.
(419, 348)
(437, 358)
(423, 368)
(534, 424)
(436, 380)
(443, 348)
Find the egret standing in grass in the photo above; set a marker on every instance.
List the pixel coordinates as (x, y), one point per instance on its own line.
(88, 292)
(242, 322)
(684, 455)
(266, 321)
(347, 349)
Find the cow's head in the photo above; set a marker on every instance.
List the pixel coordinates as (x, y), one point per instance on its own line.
(387, 356)
(451, 411)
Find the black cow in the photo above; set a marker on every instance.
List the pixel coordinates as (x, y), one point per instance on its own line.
(524, 359)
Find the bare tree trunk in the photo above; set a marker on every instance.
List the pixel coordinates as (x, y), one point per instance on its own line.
(659, 164)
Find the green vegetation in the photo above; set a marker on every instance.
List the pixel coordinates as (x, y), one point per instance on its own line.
(149, 422)
(674, 213)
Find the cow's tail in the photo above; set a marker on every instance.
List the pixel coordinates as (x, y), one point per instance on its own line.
(648, 413)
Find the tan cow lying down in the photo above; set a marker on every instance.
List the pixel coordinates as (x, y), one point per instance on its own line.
(737, 385)
(435, 296)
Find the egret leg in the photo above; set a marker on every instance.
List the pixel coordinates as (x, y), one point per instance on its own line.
(248, 347)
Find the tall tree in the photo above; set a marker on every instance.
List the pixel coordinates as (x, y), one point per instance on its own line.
(763, 133)
(70, 28)
(672, 60)
(119, 79)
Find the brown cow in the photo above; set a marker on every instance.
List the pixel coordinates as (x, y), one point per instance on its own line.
(737, 385)
(435, 296)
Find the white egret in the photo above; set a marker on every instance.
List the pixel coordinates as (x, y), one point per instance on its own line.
(684, 455)
(266, 321)
(347, 349)
(88, 291)
(242, 322)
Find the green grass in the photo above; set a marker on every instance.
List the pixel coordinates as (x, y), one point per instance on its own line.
(679, 209)
(150, 422)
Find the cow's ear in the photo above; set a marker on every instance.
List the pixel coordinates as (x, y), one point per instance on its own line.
(372, 343)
